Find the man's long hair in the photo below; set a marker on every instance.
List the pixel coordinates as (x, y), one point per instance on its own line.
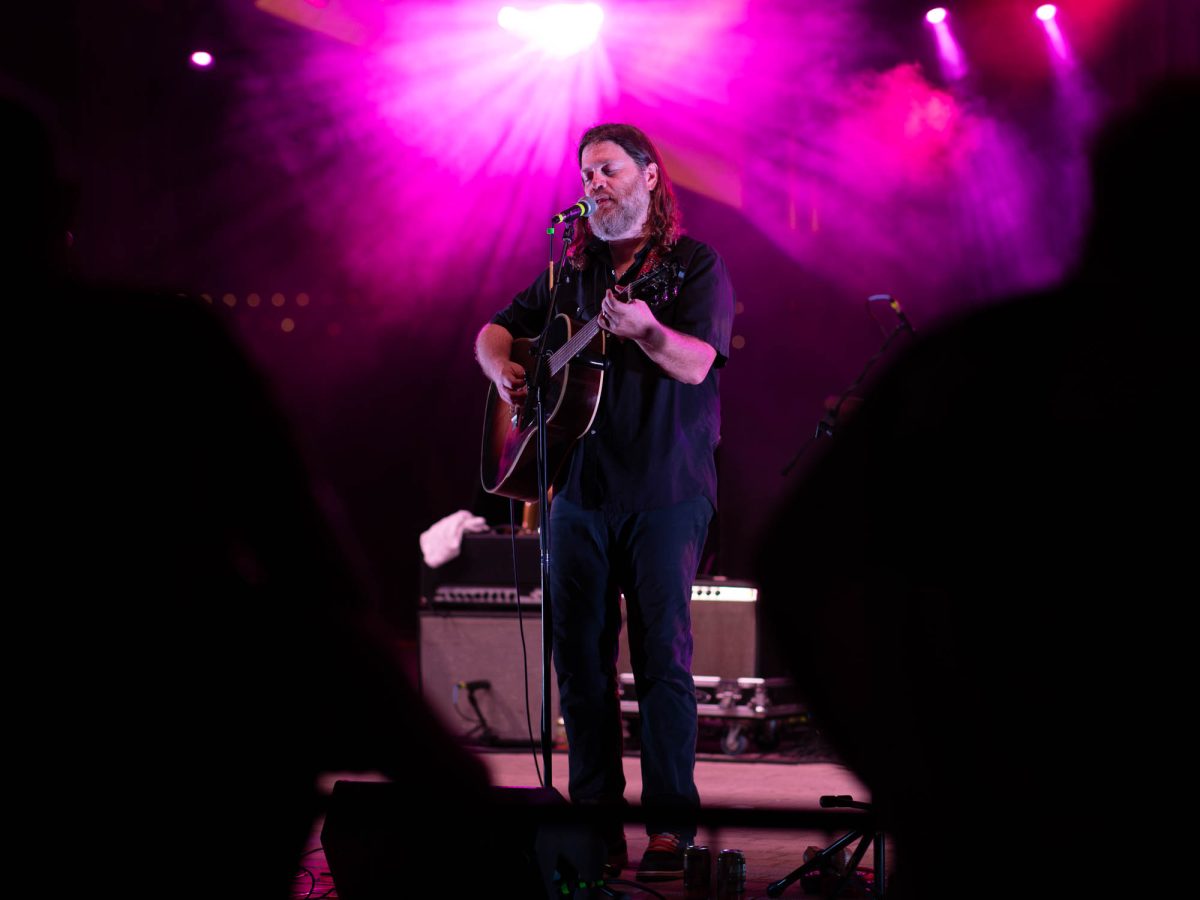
(664, 223)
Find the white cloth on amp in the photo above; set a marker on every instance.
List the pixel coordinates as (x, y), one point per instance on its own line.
(442, 541)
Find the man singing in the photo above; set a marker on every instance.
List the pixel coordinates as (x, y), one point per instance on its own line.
(632, 503)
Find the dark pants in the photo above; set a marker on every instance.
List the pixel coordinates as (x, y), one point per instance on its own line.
(652, 557)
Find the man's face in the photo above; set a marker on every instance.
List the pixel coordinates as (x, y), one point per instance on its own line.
(620, 189)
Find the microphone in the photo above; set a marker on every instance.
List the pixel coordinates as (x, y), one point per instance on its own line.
(583, 208)
(895, 305)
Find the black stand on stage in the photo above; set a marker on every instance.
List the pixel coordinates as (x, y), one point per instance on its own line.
(826, 424)
(536, 384)
(866, 836)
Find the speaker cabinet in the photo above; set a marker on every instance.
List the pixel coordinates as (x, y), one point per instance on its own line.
(483, 648)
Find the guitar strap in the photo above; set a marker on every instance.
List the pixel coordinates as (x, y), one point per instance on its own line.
(652, 259)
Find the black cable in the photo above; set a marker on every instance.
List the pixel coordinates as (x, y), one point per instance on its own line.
(312, 879)
(474, 720)
(478, 721)
(512, 532)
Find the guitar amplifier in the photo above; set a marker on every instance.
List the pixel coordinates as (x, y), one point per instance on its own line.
(469, 635)
(481, 576)
(472, 673)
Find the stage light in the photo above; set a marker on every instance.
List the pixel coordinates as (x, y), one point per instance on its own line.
(951, 56)
(202, 59)
(559, 30)
(1047, 14)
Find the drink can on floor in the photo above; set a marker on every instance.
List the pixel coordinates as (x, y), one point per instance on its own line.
(731, 873)
(697, 871)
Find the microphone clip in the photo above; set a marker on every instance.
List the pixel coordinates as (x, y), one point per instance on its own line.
(895, 305)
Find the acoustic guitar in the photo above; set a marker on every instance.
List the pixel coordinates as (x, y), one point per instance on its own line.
(571, 370)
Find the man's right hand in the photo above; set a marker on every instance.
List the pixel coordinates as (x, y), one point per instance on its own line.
(493, 349)
(510, 382)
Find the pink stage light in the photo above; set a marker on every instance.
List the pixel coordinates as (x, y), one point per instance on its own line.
(952, 61)
(1047, 14)
(559, 30)
(202, 59)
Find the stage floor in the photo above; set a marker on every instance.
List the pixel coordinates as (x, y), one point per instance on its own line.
(735, 782)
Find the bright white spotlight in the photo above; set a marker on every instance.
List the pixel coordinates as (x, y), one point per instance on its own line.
(202, 59)
(1047, 13)
(559, 30)
(951, 56)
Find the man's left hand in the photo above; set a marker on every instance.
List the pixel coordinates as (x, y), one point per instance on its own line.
(628, 320)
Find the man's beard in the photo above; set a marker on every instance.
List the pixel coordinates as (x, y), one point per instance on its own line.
(625, 218)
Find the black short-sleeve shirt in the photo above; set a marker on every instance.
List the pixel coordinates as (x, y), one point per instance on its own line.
(653, 439)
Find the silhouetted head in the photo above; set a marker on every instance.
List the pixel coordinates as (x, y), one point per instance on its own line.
(36, 207)
(1145, 190)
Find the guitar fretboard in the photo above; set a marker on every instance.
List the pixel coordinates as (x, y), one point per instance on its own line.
(571, 348)
(584, 335)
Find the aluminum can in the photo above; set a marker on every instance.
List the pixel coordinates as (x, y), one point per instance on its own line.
(731, 873)
(697, 872)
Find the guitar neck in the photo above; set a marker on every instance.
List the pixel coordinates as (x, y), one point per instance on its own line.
(583, 337)
(571, 348)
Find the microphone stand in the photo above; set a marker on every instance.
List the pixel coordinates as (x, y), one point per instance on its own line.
(866, 834)
(536, 386)
(827, 421)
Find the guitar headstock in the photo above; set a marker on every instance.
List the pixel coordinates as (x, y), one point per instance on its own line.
(658, 286)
